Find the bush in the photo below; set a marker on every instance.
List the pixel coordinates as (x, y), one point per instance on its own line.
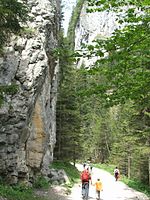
(41, 182)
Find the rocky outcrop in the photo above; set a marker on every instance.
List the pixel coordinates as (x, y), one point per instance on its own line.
(56, 176)
(27, 118)
(91, 26)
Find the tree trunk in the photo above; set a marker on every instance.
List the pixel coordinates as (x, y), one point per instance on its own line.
(74, 155)
(107, 146)
(129, 166)
(59, 137)
(149, 168)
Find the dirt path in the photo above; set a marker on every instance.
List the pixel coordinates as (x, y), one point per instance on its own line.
(112, 190)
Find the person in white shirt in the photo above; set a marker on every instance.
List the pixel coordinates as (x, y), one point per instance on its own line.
(116, 173)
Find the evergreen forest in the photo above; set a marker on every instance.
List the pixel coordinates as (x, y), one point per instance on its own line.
(103, 113)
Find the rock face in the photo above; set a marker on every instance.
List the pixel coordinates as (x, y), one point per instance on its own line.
(27, 118)
(91, 26)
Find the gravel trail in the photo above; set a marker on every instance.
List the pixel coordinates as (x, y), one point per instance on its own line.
(112, 190)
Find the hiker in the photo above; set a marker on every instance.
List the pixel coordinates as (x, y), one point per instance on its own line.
(99, 187)
(84, 165)
(85, 178)
(116, 173)
(91, 168)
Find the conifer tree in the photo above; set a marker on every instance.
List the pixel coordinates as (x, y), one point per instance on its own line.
(12, 15)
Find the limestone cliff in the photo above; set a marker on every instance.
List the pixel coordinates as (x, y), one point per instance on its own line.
(27, 118)
(91, 26)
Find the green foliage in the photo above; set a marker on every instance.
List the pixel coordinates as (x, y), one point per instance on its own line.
(135, 184)
(119, 81)
(107, 167)
(104, 111)
(41, 182)
(71, 171)
(101, 5)
(68, 144)
(27, 31)
(73, 23)
(126, 67)
(95, 127)
(7, 90)
(18, 193)
(12, 15)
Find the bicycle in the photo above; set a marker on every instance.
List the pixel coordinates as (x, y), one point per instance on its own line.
(85, 190)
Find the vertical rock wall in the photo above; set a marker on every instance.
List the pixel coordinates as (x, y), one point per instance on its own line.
(27, 118)
(91, 26)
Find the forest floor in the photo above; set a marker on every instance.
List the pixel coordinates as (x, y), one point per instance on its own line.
(112, 190)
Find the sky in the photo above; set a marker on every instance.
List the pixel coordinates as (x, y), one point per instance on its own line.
(67, 10)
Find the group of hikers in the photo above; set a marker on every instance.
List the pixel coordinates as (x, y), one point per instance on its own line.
(86, 178)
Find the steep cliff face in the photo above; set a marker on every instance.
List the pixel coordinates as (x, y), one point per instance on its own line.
(91, 26)
(27, 118)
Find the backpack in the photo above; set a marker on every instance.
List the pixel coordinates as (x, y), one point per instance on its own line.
(116, 171)
(85, 175)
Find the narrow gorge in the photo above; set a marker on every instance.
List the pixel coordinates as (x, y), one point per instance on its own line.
(74, 88)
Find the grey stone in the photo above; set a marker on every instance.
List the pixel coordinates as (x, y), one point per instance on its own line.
(41, 56)
(20, 125)
(61, 181)
(52, 174)
(12, 180)
(93, 26)
(27, 126)
(20, 45)
(15, 173)
(39, 19)
(24, 135)
(55, 183)
(12, 139)
(36, 45)
(3, 139)
(11, 149)
(34, 57)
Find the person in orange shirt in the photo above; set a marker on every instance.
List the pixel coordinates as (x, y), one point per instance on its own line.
(99, 188)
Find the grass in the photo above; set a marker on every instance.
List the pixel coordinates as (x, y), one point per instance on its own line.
(108, 168)
(41, 182)
(22, 192)
(131, 183)
(18, 193)
(136, 185)
(7, 89)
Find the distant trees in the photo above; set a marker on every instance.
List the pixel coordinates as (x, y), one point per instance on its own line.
(69, 137)
(12, 14)
(104, 113)
(125, 87)
(73, 22)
